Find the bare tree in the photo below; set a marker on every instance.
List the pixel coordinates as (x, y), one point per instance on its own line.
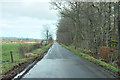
(94, 26)
(71, 10)
(46, 32)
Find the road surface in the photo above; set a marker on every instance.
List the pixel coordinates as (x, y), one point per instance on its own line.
(61, 63)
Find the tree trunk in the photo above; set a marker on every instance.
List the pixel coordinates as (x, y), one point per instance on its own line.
(119, 34)
(77, 26)
(109, 21)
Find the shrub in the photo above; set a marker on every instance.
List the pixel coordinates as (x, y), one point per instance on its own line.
(104, 51)
(35, 46)
(28, 48)
(22, 51)
(114, 43)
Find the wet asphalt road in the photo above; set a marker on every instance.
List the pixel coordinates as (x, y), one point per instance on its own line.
(61, 63)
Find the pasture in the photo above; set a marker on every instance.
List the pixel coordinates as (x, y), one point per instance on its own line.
(6, 58)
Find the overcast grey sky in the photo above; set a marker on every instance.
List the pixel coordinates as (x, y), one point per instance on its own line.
(26, 18)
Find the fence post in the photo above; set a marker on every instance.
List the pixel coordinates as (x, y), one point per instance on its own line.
(11, 56)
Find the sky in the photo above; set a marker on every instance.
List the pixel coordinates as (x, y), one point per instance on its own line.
(27, 18)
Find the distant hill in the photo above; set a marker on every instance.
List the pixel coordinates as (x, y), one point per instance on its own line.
(15, 39)
(19, 38)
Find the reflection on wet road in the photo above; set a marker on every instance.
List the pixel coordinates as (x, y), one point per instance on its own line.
(61, 63)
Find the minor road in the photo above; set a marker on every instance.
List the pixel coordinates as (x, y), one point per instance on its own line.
(61, 63)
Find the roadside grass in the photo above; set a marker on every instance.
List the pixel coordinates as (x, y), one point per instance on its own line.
(7, 47)
(92, 59)
(42, 50)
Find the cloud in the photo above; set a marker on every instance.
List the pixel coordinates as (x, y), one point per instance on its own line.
(39, 10)
(25, 1)
(22, 18)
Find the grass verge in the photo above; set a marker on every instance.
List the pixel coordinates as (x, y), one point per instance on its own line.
(42, 50)
(92, 59)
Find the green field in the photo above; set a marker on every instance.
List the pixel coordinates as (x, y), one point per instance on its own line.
(7, 47)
